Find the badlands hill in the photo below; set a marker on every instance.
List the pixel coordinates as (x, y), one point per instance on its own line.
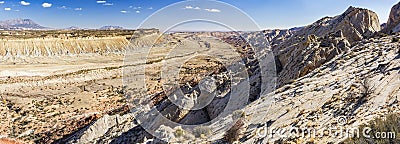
(24, 46)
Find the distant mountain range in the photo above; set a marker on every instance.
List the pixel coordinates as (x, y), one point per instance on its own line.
(73, 28)
(111, 28)
(28, 24)
(20, 24)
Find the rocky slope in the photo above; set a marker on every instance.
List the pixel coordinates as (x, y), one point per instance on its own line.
(317, 43)
(277, 36)
(359, 85)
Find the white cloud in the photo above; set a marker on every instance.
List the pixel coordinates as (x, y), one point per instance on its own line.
(150, 8)
(123, 11)
(108, 4)
(213, 10)
(7, 9)
(24, 3)
(78, 9)
(46, 5)
(63, 7)
(188, 7)
(101, 2)
(137, 11)
(135, 8)
(16, 10)
(191, 7)
(1, 2)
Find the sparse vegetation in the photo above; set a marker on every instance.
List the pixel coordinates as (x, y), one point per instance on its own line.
(202, 131)
(389, 125)
(179, 132)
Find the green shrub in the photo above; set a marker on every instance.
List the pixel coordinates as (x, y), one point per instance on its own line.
(390, 124)
(202, 131)
(179, 132)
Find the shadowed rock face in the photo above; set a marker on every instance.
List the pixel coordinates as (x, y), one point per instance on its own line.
(393, 22)
(383, 26)
(319, 42)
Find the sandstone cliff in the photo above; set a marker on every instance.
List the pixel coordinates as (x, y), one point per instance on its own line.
(317, 43)
(393, 22)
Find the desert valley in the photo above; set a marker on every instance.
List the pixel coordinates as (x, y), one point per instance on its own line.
(78, 85)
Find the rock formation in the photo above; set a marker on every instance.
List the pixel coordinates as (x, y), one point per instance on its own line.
(392, 25)
(277, 36)
(26, 44)
(319, 42)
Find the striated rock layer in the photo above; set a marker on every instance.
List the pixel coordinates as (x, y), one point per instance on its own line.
(56, 46)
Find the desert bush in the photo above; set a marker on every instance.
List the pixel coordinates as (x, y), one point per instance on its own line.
(202, 131)
(179, 132)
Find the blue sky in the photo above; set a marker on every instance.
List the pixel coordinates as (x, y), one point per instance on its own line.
(130, 13)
